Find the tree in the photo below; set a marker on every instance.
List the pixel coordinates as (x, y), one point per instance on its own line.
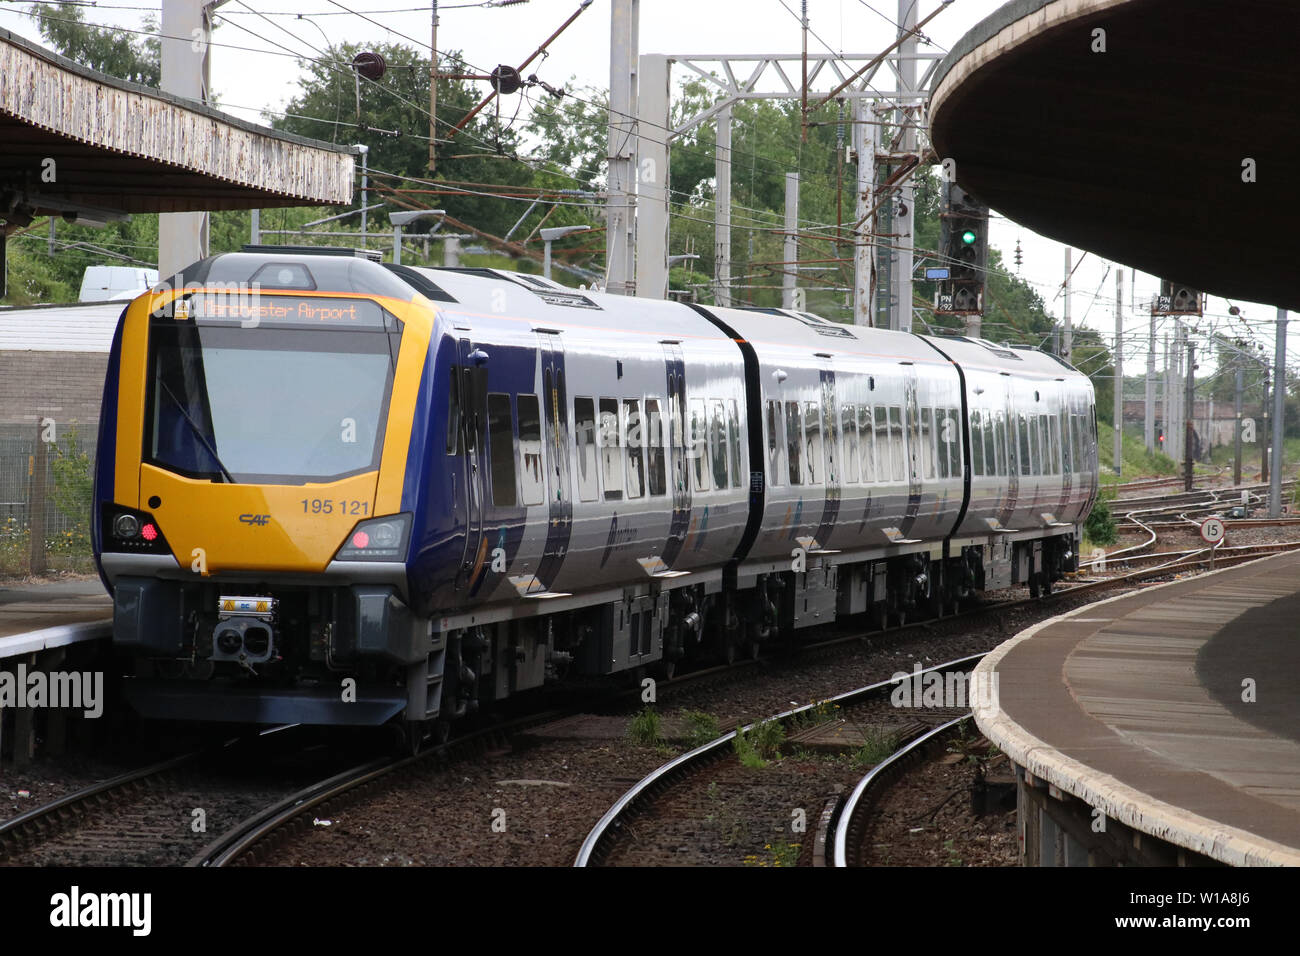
(392, 119)
(128, 56)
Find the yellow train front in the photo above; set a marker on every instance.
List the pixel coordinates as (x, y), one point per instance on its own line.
(263, 582)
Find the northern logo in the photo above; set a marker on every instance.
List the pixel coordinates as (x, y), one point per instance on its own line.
(259, 520)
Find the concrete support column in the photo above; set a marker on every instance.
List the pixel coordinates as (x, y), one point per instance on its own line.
(790, 253)
(722, 211)
(652, 200)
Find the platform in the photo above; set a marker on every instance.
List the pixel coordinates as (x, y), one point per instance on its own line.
(43, 615)
(1170, 715)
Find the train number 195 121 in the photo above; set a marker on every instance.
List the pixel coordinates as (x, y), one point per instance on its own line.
(328, 506)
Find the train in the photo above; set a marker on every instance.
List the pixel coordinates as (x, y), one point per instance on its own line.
(332, 490)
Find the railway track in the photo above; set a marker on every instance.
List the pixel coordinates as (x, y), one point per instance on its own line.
(152, 815)
(865, 705)
(844, 831)
(662, 786)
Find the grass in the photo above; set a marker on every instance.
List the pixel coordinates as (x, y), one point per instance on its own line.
(761, 744)
(877, 745)
(1136, 462)
(953, 858)
(776, 854)
(821, 712)
(701, 728)
(644, 728)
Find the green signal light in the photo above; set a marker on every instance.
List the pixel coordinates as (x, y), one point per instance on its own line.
(968, 236)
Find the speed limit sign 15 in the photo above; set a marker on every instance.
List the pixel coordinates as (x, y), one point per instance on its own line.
(1212, 530)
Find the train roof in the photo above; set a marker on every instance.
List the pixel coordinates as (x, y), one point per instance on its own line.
(476, 292)
(1018, 359)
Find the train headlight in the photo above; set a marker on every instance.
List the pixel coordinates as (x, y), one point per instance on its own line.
(126, 526)
(124, 530)
(377, 539)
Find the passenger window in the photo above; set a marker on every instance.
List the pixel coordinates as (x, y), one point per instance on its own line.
(976, 443)
(700, 443)
(775, 434)
(867, 442)
(611, 450)
(794, 441)
(832, 433)
(584, 429)
(1000, 441)
(733, 442)
(1054, 430)
(532, 474)
(654, 447)
(849, 435)
(1067, 449)
(897, 447)
(501, 448)
(718, 445)
(1044, 450)
(884, 468)
(927, 443)
(990, 457)
(950, 440)
(1081, 444)
(812, 427)
(1026, 445)
(635, 452)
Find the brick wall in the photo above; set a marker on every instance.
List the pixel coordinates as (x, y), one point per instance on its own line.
(65, 386)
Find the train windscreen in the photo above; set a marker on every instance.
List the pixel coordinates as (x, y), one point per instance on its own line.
(285, 390)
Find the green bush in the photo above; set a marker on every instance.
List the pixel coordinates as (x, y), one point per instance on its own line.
(1100, 527)
(643, 729)
(701, 728)
(761, 744)
(73, 482)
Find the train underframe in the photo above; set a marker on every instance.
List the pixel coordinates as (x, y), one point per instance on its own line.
(355, 655)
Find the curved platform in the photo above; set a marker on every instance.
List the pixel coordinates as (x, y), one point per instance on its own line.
(1161, 727)
(1085, 120)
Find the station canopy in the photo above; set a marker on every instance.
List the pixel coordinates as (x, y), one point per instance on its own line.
(79, 144)
(1161, 134)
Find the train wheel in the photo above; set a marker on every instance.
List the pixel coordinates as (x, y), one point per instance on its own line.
(754, 649)
(670, 668)
(879, 616)
(1047, 583)
(729, 653)
(1034, 590)
(408, 736)
(441, 732)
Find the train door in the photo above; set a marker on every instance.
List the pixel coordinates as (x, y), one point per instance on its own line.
(471, 383)
(679, 466)
(830, 442)
(560, 491)
(912, 415)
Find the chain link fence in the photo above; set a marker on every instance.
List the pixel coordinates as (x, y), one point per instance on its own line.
(45, 497)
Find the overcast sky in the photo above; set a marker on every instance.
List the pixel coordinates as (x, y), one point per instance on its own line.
(261, 75)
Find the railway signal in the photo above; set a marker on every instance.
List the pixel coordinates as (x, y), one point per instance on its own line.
(1176, 298)
(963, 246)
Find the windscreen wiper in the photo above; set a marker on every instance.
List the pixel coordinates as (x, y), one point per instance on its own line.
(198, 432)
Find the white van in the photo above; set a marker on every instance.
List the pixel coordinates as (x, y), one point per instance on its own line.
(111, 283)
